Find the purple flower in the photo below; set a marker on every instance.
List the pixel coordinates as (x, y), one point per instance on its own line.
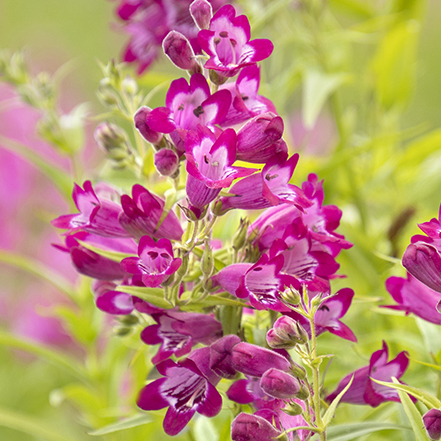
(156, 262)
(91, 264)
(221, 356)
(328, 315)
(270, 187)
(255, 361)
(432, 423)
(261, 282)
(188, 387)
(279, 384)
(142, 214)
(97, 215)
(209, 163)
(202, 13)
(227, 42)
(246, 103)
(422, 259)
(140, 119)
(187, 106)
(414, 297)
(363, 390)
(178, 49)
(177, 332)
(166, 162)
(246, 427)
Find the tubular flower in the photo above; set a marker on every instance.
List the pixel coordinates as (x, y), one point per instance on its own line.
(179, 331)
(187, 387)
(209, 163)
(365, 391)
(97, 215)
(187, 106)
(142, 214)
(246, 427)
(414, 297)
(227, 42)
(155, 263)
(432, 423)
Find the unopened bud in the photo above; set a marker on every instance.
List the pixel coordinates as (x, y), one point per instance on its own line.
(166, 162)
(182, 270)
(169, 280)
(141, 124)
(298, 371)
(432, 423)
(316, 301)
(217, 208)
(178, 49)
(129, 85)
(293, 409)
(112, 140)
(286, 333)
(304, 393)
(279, 384)
(241, 234)
(217, 78)
(290, 296)
(121, 331)
(129, 320)
(106, 93)
(202, 12)
(207, 263)
(44, 86)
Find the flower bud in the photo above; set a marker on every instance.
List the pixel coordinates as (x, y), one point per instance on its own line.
(293, 409)
(179, 51)
(106, 92)
(304, 393)
(128, 320)
(298, 371)
(166, 162)
(202, 12)
(253, 427)
(286, 333)
(112, 140)
(141, 124)
(241, 234)
(279, 384)
(207, 263)
(121, 331)
(129, 85)
(432, 423)
(290, 296)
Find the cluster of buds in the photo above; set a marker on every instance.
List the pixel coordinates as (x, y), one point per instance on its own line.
(158, 259)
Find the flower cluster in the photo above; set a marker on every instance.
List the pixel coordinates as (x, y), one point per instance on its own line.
(156, 258)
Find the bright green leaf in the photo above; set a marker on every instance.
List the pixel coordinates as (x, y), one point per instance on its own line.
(327, 417)
(112, 255)
(127, 423)
(349, 432)
(155, 296)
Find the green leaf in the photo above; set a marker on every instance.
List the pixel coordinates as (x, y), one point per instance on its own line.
(37, 269)
(430, 334)
(327, 417)
(127, 423)
(211, 300)
(317, 87)
(427, 399)
(59, 177)
(155, 296)
(412, 413)
(58, 359)
(433, 366)
(33, 426)
(218, 264)
(348, 432)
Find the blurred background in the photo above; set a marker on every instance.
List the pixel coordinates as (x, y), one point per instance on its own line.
(358, 86)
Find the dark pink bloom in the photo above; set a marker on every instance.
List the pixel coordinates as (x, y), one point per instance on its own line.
(246, 427)
(227, 42)
(188, 105)
(155, 263)
(279, 384)
(328, 315)
(268, 188)
(97, 215)
(246, 102)
(209, 165)
(140, 119)
(177, 332)
(91, 264)
(259, 140)
(115, 302)
(202, 13)
(286, 333)
(187, 387)
(166, 162)
(432, 423)
(220, 356)
(414, 297)
(363, 390)
(178, 49)
(142, 214)
(255, 361)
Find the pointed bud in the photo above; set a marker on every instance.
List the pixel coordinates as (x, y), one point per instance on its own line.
(112, 140)
(178, 49)
(121, 331)
(141, 124)
(293, 409)
(128, 320)
(432, 423)
(298, 371)
(182, 270)
(241, 234)
(166, 162)
(106, 92)
(290, 296)
(279, 384)
(202, 12)
(129, 85)
(286, 333)
(304, 393)
(207, 264)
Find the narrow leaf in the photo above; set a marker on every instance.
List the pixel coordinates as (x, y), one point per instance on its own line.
(428, 399)
(412, 413)
(437, 367)
(32, 426)
(327, 417)
(155, 296)
(348, 432)
(112, 255)
(127, 423)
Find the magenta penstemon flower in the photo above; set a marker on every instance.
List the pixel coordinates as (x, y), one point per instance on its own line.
(97, 215)
(155, 263)
(187, 387)
(365, 391)
(227, 42)
(209, 165)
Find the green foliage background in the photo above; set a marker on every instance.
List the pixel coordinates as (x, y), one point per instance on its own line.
(372, 67)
